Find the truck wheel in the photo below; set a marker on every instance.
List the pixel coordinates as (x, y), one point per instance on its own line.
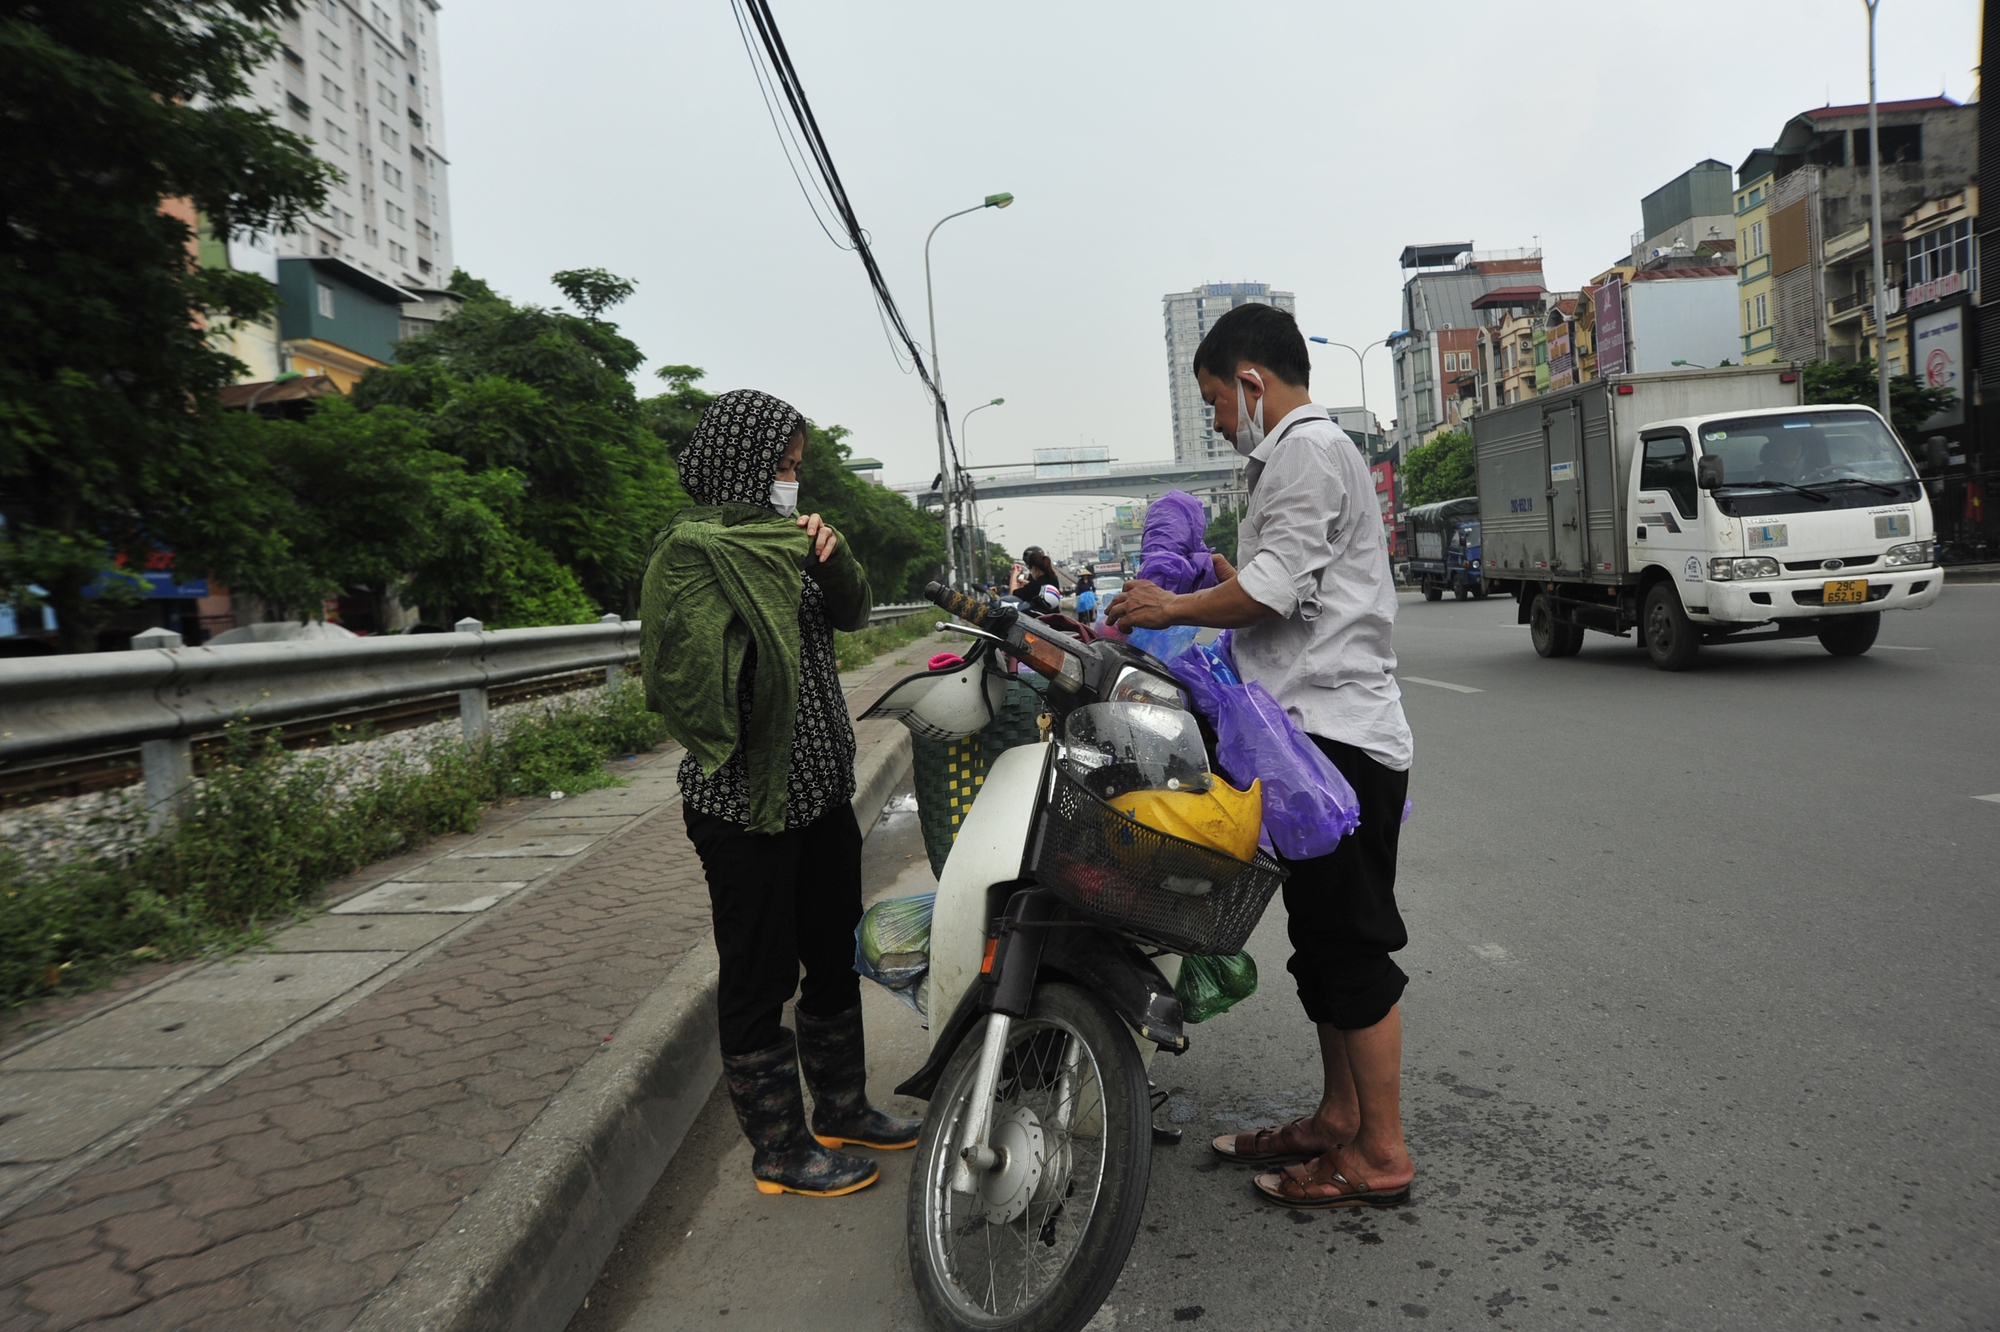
(1850, 635)
(1432, 591)
(1552, 637)
(1479, 590)
(1459, 593)
(1670, 637)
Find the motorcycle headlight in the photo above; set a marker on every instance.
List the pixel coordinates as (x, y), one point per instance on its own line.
(1137, 686)
(1725, 568)
(1908, 554)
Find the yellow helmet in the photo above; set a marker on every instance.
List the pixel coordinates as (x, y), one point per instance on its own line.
(1221, 817)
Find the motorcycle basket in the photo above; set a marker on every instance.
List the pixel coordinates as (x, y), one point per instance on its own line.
(1182, 896)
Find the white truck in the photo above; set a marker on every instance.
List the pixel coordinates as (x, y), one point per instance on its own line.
(1701, 507)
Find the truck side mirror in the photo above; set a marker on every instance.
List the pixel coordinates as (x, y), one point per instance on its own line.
(1934, 453)
(1708, 472)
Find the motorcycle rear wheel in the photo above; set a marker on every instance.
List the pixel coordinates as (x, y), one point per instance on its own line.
(1039, 1247)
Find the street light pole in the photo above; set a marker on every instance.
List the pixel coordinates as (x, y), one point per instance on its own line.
(1361, 365)
(971, 511)
(946, 479)
(1875, 227)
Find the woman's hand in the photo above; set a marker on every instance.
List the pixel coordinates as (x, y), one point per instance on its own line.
(824, 538)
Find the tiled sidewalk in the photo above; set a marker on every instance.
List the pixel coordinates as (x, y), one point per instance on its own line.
(265, 1143)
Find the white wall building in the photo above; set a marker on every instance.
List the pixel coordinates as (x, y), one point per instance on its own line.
(1189, 316)
(362, 80)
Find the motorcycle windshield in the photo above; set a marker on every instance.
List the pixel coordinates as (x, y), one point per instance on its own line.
(1113, 749)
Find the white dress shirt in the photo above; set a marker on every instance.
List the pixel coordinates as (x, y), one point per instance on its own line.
(1310, 547)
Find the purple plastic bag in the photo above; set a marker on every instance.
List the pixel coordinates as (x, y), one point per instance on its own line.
(1172, 553)
(1308, 805)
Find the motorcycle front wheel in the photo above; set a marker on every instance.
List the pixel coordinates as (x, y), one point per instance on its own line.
(1040, 1244)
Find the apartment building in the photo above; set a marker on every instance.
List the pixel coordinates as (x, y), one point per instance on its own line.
(1442, 314)
(1189, 316)
(1754, 288)
(362, 81)
(1821, 237)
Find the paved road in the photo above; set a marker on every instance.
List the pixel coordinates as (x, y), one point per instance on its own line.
(1700, 1035)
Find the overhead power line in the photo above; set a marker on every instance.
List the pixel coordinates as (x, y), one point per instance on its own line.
(800, 130)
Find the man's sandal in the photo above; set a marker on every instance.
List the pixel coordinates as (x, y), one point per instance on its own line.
(1288, 1188)
(1264, 1148)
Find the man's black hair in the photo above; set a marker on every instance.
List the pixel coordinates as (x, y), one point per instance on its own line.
(1261, 334)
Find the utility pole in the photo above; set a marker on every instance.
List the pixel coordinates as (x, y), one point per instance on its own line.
(1875, 224)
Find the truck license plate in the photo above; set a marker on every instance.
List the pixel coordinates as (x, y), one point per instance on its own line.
(1844, 592)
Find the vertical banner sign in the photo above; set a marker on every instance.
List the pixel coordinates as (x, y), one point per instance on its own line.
(1939, 353)
(1609, 303)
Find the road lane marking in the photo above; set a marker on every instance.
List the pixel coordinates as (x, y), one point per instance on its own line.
(1493, 953)
(1898, 647)
(1440, 684)
(1994, 798)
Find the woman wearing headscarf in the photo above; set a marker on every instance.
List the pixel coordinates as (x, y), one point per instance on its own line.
(740, 604)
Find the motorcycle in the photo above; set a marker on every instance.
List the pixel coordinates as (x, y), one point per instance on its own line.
(1056, 939)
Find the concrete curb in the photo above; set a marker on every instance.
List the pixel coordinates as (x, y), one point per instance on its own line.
(521, 1253)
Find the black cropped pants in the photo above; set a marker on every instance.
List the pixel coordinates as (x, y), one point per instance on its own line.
(780, 901)
(1344, 922)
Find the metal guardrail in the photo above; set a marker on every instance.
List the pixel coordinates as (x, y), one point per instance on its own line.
(900, 611)
(160, 695)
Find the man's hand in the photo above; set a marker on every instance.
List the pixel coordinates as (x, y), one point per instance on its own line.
(824, 538)
(1224, 570)
(1141, 605)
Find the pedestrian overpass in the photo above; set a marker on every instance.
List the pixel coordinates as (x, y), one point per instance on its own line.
(1136, 481)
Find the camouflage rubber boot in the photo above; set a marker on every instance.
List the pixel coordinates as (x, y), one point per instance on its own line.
(835, 1057)
(764, 1089)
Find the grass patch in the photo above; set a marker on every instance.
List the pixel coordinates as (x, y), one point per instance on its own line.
(268, 830)
(852, 651)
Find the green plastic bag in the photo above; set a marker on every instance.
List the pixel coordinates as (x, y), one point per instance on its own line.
(1211, 985)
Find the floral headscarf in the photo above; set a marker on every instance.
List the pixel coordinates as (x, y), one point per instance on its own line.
(734, 453)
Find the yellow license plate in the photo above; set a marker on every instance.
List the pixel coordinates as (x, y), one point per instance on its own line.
(1844, 592)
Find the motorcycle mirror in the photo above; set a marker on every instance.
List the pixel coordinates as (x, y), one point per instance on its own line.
(1708, 472)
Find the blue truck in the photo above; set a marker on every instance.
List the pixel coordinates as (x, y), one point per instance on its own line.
(1444, 539)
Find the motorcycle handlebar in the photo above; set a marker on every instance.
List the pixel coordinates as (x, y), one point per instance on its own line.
(980, 611)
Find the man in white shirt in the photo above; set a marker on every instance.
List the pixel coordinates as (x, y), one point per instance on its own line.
(1312, 607)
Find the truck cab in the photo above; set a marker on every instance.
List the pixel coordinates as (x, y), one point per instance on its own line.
(1446, 541)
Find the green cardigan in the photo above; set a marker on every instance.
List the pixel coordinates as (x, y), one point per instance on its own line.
(722, 577)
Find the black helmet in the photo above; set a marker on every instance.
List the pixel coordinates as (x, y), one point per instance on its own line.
(1031, 552)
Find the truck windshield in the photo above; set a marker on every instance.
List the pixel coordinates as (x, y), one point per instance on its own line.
(1766, 457)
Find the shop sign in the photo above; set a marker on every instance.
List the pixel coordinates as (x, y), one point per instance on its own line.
(1925, 292)
(1939, 344)
(1608, 305)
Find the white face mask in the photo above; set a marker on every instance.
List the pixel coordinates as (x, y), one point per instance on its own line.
(1249, 429)
(785, 496)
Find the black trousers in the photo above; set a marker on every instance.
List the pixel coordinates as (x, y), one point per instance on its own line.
(1344, 921)
(781, 900)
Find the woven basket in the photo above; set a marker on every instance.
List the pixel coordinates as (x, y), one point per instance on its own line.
(949, 773)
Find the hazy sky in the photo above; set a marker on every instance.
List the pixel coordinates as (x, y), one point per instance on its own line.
(1150, 147)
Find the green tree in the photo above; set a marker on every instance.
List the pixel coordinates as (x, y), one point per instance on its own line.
(1221, 534)
(1911, 401)
(108, 423)
(546, 396)
(673, 415)
(1440, 469)
(900, 545)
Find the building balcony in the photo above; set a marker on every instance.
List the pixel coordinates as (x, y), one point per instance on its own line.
(1858, 305)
